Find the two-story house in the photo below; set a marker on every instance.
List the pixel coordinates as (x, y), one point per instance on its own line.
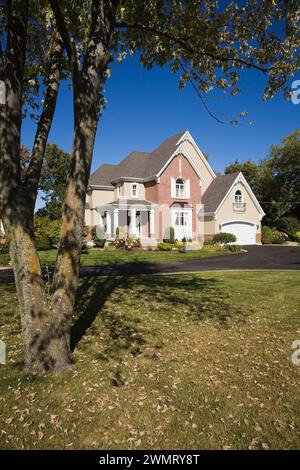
(172, 186)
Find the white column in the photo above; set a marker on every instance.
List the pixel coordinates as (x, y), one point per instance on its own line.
(116, 220)
(132, 226)
(100, 219)
(152, 223)
(108, 224)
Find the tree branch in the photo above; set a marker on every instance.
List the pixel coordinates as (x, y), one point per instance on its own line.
(34, 170)
(69, 46)
(200, 96)
(181, 42)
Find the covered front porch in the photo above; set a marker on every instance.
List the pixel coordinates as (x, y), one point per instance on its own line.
(135, 218)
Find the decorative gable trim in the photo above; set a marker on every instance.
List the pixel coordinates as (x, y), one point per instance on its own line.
(187, 136)
(181, 150)
(241, 179)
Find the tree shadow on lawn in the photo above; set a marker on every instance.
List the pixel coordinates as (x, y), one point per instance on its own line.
(187, 295)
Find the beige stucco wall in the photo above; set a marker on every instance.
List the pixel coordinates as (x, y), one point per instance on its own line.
(127, 190)
(197, 160)
(227, 213)
(96, 198)
(209, 225)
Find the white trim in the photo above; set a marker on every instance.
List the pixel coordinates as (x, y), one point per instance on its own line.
(187, 136)
(238, 221)
(137, 190)
(241, 179)
(181, 150)
(127, 179)
(101, 186)
(188, 231)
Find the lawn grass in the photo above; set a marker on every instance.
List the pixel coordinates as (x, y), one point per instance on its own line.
(182, 361)
(96, 257)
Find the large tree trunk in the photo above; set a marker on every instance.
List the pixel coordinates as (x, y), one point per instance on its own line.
(46, 320)
(86, 84)
(45, 344)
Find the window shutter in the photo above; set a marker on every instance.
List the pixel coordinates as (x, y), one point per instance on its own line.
(187, 189)
(173, 188)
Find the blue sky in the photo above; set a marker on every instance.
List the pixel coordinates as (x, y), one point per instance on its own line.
(145, 107)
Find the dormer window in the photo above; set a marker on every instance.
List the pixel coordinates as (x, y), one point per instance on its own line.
(180, 191)
(238, 198)
(134, 190)
(239, 204)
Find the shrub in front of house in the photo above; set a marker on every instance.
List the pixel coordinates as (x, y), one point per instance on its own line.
(169, 235)
(213, 247)
(178, 244)
(233, 248)
(209, 242)
(278, 241)
(289, 225)
(224, 238)
(127, 243)
(163, 246)
(98, 242)
(297, 236)
(266, 235)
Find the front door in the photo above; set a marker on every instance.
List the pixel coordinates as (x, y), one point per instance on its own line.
(182, 223)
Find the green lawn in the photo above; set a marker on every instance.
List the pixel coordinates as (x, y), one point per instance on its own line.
(189, 361)
(98, 257)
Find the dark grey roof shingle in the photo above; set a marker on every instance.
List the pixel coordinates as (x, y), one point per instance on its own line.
(103, 175)
(217, 190)
(137, 164)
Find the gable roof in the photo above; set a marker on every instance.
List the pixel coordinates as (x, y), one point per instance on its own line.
(217, 190)
(137, 164)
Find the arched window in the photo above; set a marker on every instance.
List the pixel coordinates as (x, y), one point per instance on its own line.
(238, 198)
(180, 187)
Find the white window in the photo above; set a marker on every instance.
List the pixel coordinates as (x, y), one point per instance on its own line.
(134, 190)
(238, 199)
(180, 188)
(181, 218)
(180, 191)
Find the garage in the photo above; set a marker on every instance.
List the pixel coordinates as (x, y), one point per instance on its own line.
(245, 232)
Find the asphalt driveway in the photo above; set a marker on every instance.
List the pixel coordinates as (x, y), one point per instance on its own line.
(257, 257)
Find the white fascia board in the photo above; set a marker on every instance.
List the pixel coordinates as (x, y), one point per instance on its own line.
(129, 179)
(101, 186)
(187, 136)
(181, 150)
(240, 178)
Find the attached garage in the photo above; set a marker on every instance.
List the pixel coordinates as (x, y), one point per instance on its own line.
(245, 232)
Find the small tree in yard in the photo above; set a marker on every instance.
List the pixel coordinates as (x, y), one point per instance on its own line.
(208, 44)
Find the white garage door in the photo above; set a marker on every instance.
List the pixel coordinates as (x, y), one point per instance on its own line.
(245, 232)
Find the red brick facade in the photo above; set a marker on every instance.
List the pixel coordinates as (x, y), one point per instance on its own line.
(160, 193)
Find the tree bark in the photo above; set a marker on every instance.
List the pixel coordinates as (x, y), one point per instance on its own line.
(86, 84)
(45, 347)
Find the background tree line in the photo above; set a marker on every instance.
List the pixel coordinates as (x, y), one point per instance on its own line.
(275, 181)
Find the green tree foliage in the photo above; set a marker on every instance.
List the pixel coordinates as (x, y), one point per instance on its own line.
(46, 232)
(249, 169)
(53, 179)
(280, 177)
(276, 182)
